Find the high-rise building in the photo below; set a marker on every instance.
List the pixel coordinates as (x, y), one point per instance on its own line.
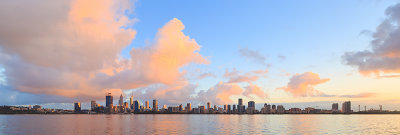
(188, 107)
(273, 107)
(121, 100)
(335, 107)
(208, 106)
(251, 107)
(240, 101)
(346, 107)
(155, 105)
(251, 104)
(225, 107)
(77, 107)
(234, 108)
(280, 109)
(202, 109)
(228, 109)
(147, 105)
(109, 100)
(93, 105)
(131, 102)
(215, 107)
(137, 105)
(180, 107)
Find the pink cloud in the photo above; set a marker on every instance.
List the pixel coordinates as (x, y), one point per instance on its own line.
(301, 85)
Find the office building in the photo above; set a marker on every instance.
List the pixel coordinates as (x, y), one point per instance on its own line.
(131, 102)
(147, 105)
(121, 101)
(155, 105)
(251, 107)
(335, 107)
(240, 101)
(280, 109)
(346, 107)
(228, 109)
(188, 107)
(208, 105)
(93, 105)
(180, 107)
(137, 105)
(109, 100)
(77, 107)
(273, 107)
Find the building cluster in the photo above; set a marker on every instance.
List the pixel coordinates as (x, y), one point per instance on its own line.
(134, 106)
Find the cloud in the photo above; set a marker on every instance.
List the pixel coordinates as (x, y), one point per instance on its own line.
(72, 48)
(254, 90)
(301, 85)
(361, 95)
(220, 94)
(235, 76)
(252, 55)
(158, 62)
(205, 75)
(384, 55)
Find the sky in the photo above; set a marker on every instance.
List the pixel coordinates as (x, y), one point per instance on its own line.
(296, 53)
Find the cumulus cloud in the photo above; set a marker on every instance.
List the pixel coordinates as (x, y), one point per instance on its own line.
(301, 85)
(220, 94)
(253, 89)
(71, 49)
(252, 55)
(158, 62)
(235, 76)
(384, 55)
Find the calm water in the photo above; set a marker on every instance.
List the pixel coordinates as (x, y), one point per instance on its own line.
(199, 124)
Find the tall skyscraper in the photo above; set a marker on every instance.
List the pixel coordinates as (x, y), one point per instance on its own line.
(109, 100)
(346, 107)
(188, 107)
(155, 105)
(131, 102)
(229, 109)
(251, 104)
(93, 105)
(180, 107)
(234, 108)
(273, 107)
(208, 106)
(240, 101)
(335, 107)
(225, 107)
(77, 107)
(147, 105)
(121, 100)
(137, 105)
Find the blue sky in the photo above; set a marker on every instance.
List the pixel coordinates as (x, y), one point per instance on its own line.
(298, 39)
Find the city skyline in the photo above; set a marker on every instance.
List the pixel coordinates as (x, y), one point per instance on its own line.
(268, 52)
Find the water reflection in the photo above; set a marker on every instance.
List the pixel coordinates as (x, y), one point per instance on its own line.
(199, 124)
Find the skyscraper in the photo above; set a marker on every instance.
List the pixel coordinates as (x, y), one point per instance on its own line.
(121, 101)
(335, 107)
(77, 107)
(234, 108)
(240, 101)
(273, 107)
(131, 102)
(147, 105)
(208, 106)
(229, 109)
(109, 100)
(346, 107)
(93, 105)
(155, 105)
(137, 106)
(188, 107)
(251, 107)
